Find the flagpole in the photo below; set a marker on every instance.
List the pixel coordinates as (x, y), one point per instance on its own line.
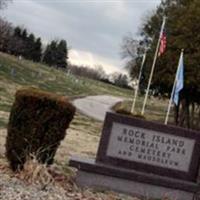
(153, 66)
(172, 93)
(138, 84)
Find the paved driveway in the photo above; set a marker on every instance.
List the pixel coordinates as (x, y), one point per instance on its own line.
(96, 106)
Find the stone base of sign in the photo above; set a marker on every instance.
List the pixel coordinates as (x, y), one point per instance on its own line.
(101, 176)
(101, 182)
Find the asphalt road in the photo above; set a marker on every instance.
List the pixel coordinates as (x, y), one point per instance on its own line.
(96, 106)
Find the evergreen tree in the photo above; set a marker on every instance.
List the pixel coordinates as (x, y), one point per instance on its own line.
(182, 23)
(50, 54)
(16, 43)
(24, 37)
(47, 55)
(37, 51)
(183, 18)
(18, 32)
(53, 52)
(30, 47)
(56, 54)
(62, 54)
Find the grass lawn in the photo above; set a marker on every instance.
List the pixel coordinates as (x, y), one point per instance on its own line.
(155, 109)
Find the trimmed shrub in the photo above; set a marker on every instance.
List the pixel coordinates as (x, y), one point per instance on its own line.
(37, 124)
(125, 112)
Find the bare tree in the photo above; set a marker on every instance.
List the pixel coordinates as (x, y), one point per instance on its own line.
(4, 3)
(129, 47)
(119, 79)
(5, 33)
(100, 72)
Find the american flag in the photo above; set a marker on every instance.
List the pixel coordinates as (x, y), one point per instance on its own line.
(163, 43)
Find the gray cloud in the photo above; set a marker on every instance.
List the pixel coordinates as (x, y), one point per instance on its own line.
(87, 25)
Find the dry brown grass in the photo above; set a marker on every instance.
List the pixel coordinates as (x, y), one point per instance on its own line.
(35, 173)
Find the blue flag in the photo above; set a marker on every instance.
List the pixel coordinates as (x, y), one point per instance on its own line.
(179, 80)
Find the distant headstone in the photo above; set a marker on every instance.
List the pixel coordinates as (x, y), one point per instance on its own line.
(33, 74)
(13, 72)
(39, 74)
(143, 158)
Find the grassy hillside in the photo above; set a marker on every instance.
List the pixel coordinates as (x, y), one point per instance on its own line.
(15, 73)
(18, 73)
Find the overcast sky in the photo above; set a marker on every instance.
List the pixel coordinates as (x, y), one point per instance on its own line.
(93, 28)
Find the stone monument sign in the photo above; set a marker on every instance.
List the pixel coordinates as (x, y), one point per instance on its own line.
(149, 147)
(144, 158)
